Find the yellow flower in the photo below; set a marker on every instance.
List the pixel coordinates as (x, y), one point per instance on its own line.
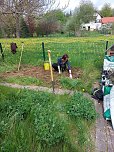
(83, 90)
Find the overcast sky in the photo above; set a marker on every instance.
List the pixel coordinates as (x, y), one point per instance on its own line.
(75, 3)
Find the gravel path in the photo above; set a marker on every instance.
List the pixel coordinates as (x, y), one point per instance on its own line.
(38, 88)
(103, 133)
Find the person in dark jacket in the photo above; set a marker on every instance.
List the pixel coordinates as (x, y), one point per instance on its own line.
(62, 64)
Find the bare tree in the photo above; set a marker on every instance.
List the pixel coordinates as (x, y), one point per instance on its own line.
(22, 8)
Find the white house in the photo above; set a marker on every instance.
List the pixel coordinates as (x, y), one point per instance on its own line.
(94, 25)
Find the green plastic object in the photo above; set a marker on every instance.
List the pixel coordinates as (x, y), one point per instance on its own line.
(109, 58)
(107, 90)
(107, 114)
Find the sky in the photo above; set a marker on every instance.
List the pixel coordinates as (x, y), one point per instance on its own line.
(75, 3)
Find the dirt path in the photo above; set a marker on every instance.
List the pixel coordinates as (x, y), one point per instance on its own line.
(103, 133)
(37, 88)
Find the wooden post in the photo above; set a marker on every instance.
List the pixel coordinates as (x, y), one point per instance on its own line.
(49, 55)
(21, 56)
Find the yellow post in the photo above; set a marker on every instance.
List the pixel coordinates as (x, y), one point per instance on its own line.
(49, 55)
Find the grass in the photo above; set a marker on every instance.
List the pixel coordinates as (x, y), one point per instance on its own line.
(40, 121)
(86, 53)
(24, 80)
(44, 122)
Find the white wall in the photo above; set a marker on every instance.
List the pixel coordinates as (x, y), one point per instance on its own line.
(95, 25)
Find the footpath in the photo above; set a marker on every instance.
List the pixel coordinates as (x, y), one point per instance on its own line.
(103, 134)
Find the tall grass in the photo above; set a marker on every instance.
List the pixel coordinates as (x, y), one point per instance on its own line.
(78, 49)
(86, 53)
(36, 121)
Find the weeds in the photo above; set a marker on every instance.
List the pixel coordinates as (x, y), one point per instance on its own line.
(40, 121)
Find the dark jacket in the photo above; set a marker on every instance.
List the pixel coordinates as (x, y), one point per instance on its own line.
(60, 63)
(13, 47)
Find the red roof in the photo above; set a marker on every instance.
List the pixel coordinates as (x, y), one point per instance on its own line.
(106, 20)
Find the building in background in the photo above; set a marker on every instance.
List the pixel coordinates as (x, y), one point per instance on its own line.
(94, 25)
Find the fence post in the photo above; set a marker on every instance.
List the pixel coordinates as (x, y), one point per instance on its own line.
(43, 51)
(106, 45)
(2, 51)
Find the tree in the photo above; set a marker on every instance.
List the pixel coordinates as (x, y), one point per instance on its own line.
(112, 11)
(106, 10)
(74, 23)
(47, 26)
(86, 11)
(24, 30)
(19, 8)
(83, 14)
(31, 25)
(58, 15)
(51, 22)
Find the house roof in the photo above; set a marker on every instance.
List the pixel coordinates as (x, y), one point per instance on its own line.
(106, 20)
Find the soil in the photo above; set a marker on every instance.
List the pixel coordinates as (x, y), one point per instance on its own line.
(41, 74)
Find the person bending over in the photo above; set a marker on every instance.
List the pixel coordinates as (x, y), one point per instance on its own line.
(62, 65)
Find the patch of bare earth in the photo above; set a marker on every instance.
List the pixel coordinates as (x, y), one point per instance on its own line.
(41, 74)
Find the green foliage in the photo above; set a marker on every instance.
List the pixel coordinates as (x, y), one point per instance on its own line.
(49, 129)
(106, 10)
(82, 14)
(39, 107)
(24, 80)
(71, 83)
(24, 29)
(52, 22)
(81, 107)
(86, 11)
(36, 119)
(74, 22)
(58, 15)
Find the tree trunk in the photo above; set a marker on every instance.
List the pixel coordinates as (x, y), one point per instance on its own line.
(17, 25)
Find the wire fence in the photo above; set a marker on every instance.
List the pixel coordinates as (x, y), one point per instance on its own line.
(79, 52)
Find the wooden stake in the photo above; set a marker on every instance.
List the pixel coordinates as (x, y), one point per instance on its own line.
(21, 56)
(49, 55)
